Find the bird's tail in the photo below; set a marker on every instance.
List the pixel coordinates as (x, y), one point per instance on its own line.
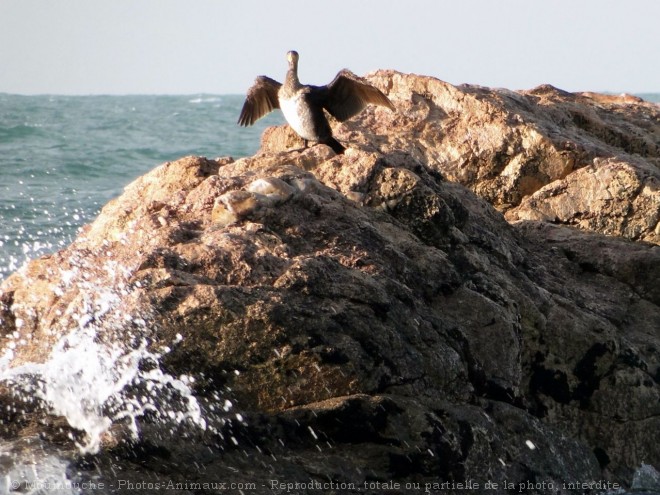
(336, 146)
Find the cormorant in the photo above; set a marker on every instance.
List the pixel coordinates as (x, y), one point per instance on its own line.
(303, 104)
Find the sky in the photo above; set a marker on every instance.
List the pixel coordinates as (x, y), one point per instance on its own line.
(220, 46)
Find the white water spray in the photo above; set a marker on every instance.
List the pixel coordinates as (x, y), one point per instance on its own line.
(104, 372)
(94, 385)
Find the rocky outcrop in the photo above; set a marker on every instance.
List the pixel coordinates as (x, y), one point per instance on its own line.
(373, 319)
(583, 159)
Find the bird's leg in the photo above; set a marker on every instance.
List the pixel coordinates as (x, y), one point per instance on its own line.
(305, 146)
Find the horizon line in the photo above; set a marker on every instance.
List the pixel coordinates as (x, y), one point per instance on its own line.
(202, 93)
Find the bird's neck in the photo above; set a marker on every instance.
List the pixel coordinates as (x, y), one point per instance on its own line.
(292, 80)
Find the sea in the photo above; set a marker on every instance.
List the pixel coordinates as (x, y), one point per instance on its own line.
(63, 157)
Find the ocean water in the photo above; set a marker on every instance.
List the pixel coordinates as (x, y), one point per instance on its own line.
(63, 157)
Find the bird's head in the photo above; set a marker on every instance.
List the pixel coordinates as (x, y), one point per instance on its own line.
(292, 57)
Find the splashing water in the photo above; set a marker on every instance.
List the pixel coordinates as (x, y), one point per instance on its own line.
(104, 372)
(94, 385)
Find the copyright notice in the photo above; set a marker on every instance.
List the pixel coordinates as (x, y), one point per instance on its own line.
(278, 486)
(46, 486)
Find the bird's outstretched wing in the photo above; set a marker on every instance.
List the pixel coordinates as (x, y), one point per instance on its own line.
(261, 99)
(348, 94)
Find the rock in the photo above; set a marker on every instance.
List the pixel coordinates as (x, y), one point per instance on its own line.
(579, 159)
(370, 317)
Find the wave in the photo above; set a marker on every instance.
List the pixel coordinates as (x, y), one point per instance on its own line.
(206, 99)
(21, 131)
